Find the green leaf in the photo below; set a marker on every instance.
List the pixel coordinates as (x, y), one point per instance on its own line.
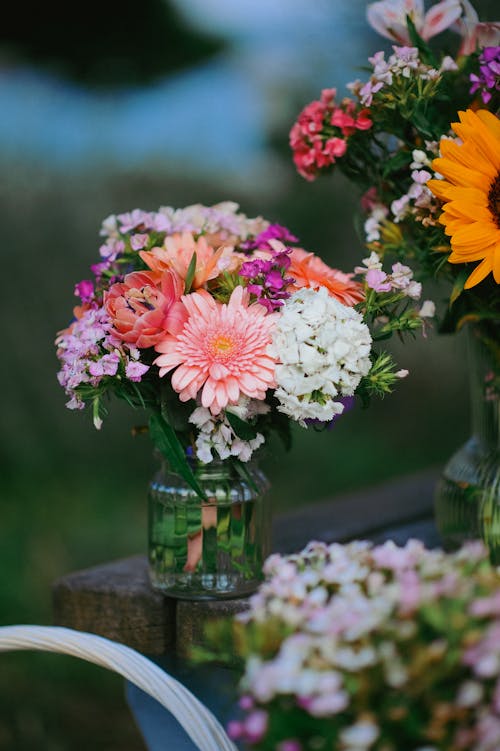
(165, 439)
(398, 161)
(243, 429)
(190, 274)
(458, 287)
(426, 54)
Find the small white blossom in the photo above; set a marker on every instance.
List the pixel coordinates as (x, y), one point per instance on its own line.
(216, 433)
(359, 736)
(323, 351)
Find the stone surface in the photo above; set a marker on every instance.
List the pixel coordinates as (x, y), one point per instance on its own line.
(192, 617)
(117, 601)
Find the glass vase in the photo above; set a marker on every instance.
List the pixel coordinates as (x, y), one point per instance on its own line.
(209, 549)
(467, 503)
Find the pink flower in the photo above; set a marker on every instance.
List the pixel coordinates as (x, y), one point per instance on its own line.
(320, 135)
(377, 279)
(388, 17)
(144, 306)
(222, 348)
(134, 370)
(474, 33)
(84, 290)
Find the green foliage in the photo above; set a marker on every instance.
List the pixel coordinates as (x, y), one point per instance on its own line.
(166, 441)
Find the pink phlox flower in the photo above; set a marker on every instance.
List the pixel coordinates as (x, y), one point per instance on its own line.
(289, 744)
(111, 249)
(369, 200)
(85, 290)
(266, 275)
(396, 558)
(489, 74)
(134, 370)
(388, 18)
(273, 232)
(255, 726)
(136, 219)
(106, 366)
(486, 606)
(377, 280)
(484, 656)
(410, 591)
(139, 241)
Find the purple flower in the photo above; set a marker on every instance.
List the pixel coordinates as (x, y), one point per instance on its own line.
(111, 249)
(135, 370)
(252, 269)
(488, 79)
(135, 219)
(107, 365)
(347, 401)
(376, 279)
(138, 242)
(274, 280)
(273, 232)
(84, 290)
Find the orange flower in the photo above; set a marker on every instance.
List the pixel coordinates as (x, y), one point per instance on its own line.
(471, 192)
(309, 270)
(177, 255)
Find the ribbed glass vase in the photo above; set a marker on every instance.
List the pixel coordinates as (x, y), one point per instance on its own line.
(209, 549)
(467, 503)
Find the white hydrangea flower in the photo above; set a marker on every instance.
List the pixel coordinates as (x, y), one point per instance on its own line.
(323, 351)
(216, 433)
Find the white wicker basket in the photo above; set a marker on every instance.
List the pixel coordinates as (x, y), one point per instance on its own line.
(198, 722)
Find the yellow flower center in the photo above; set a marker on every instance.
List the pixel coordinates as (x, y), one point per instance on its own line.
(222, 347)
(494, 200)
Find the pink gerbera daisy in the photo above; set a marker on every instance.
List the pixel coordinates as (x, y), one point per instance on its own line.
(222, 348)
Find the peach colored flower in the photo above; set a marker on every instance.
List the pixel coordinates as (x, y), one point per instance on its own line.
(177, 255)
(222, 348)
(309, 270)
(145, 305)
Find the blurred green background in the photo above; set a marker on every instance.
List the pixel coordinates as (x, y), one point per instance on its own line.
(141, 105)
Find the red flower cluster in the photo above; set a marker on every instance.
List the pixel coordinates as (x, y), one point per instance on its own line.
(320, 135)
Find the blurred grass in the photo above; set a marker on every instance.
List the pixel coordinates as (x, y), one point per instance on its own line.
(72, 497)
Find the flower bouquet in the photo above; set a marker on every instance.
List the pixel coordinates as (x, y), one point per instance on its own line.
(224, 330)
(421, 138)
(362, 648)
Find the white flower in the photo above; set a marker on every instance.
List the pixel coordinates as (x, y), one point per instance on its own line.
(428, 309)
(420, 159)
(360, 736)
(216, 433)
(470, 694)
(323, 351)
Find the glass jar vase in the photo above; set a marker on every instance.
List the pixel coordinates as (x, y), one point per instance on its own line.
(467, 503)
(209, 549)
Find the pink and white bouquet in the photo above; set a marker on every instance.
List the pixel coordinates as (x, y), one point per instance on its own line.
(223, 329)
(369, 648)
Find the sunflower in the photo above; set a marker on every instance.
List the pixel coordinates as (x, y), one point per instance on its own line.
(471, 192)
